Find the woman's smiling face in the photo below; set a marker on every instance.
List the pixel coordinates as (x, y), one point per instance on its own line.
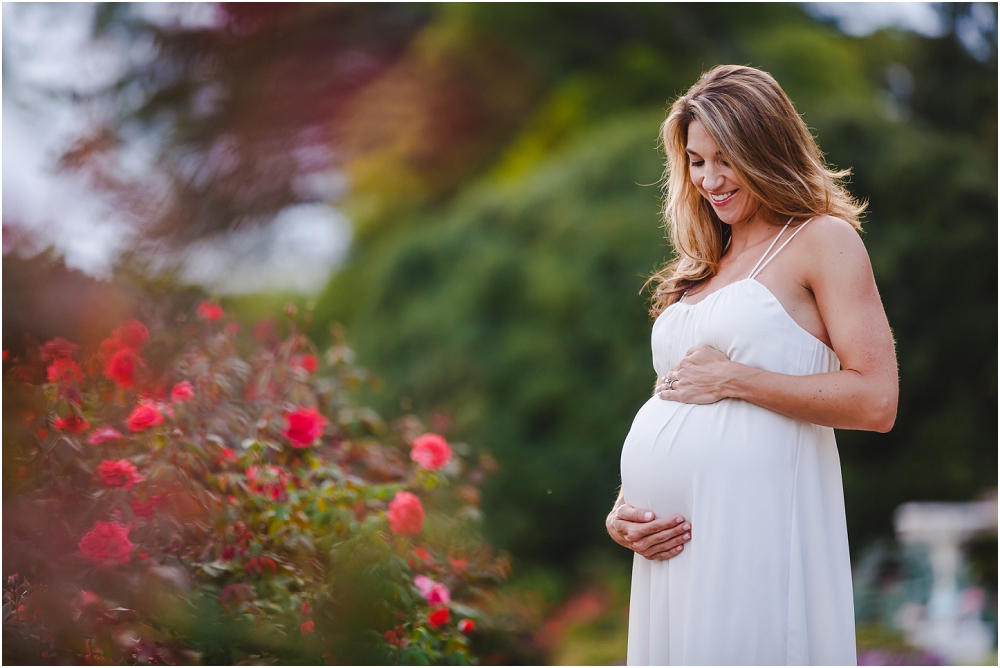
(715, 179)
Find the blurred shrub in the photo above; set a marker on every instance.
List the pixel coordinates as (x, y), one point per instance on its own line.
(173, 500)
(517, 309)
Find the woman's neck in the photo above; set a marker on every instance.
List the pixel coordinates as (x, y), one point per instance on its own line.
(759, 228)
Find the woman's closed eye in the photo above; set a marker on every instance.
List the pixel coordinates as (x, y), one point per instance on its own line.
(697, 163)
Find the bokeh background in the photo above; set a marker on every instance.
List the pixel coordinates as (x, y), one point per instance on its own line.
(472, 191)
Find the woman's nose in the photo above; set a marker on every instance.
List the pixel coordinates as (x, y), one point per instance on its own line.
(712, 179)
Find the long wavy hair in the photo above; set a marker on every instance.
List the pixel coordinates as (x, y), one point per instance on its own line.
(769, 148)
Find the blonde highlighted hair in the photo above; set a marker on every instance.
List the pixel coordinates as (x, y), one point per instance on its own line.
(769, 148)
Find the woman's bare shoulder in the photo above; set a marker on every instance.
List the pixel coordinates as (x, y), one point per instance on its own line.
(831, 239)
(833, 249)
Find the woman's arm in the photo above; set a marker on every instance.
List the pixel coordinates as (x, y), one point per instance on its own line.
(863, 395)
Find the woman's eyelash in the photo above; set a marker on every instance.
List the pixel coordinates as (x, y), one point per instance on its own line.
(697, 163)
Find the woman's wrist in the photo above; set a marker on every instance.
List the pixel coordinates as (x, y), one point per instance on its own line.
(737, 381)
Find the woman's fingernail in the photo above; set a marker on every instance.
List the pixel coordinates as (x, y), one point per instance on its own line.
(687, 536)
(686, 527)
(648, 516)
(679, 548)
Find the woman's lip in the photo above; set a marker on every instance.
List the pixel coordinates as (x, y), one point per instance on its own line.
(724, 202)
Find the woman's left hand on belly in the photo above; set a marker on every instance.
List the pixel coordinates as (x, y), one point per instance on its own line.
(699, 378)
(652, 538)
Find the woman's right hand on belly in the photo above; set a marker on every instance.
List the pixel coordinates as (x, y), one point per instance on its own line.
(641, 532)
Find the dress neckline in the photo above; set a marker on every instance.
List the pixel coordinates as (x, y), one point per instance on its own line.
(770, 294)
(761, 263)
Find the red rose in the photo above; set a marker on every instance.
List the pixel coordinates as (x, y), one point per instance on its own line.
(305, 425)
(73, 423)
(143, 417)
(467, 626)
(210, 311)
(121, 367)
(307, 362)
(182, 392)
(430, 451)
(460, 563)
(307, 627)
(439, 617)
(227, 455)
(406, 514)
(64, 371)
(107, 543)
(103, 435)
(119, 474)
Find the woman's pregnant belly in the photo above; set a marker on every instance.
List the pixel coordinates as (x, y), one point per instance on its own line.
(723, 463)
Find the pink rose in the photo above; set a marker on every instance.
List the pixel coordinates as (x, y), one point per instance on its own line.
(54, 349)
(132, 334)
(143, 417)
(435, 592)
(119, 474)
(182, 392)
(103, 435)
(305, 425)
(107, 543)
(406, 514)
(210, 311)
(430, 451)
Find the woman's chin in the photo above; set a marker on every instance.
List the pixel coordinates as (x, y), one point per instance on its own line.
(727, 216)
(730, 214)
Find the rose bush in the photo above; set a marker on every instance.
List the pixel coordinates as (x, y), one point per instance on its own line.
(197, 497)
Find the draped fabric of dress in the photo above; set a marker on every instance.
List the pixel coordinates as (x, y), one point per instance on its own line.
(766, 578)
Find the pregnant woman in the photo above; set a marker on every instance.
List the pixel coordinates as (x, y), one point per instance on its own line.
(769, 333)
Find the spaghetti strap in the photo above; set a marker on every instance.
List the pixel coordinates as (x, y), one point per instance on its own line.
(752, 271)
(760, 267)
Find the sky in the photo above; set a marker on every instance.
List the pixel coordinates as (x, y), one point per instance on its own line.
(49, 47)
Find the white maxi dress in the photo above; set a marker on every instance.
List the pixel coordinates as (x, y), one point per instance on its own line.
(766, 577)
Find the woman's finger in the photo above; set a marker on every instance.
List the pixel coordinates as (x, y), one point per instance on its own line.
(669, 554)
(669, 547)
(644, 534)
(660, 537)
